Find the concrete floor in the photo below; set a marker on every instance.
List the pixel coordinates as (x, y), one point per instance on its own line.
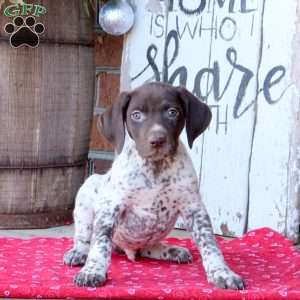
(64, 231)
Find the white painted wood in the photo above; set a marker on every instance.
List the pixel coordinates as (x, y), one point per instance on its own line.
(225, 162)
(193, 55)
(292, 224)
(149, 29)
(269, 188)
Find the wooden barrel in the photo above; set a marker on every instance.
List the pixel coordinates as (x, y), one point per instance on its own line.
(46, 104)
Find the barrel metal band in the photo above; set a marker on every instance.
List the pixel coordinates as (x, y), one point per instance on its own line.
(54, 42)
(46, 166)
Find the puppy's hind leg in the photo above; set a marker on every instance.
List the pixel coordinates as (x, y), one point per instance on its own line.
(83, 220)
(162, 251)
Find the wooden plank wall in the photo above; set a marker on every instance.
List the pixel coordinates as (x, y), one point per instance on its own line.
(274, 181)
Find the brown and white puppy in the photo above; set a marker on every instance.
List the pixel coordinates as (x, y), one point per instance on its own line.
(152, 181)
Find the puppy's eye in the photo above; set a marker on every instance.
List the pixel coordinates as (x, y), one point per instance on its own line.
(137, 116)
(173, 113)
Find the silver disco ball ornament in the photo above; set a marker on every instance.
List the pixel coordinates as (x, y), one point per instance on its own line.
(116, 17)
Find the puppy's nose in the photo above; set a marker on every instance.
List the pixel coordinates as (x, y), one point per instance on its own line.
(157, 141)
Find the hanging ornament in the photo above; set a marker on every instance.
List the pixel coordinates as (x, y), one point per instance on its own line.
(116, 17)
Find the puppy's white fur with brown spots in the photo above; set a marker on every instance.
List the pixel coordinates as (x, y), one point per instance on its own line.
(133, 207)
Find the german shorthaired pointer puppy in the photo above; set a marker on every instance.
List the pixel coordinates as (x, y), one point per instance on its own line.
(152, 181)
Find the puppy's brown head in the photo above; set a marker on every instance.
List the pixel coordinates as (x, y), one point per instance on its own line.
(155, 115)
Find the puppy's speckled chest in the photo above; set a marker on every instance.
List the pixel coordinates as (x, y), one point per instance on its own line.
(150, 199)
(147, 215)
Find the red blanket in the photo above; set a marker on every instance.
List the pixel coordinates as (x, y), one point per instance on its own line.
(267, 261)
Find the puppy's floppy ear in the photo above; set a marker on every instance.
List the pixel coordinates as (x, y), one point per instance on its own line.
(198, 114)
(111, 122)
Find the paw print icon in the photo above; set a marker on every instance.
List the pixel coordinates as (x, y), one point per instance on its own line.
(24, 32)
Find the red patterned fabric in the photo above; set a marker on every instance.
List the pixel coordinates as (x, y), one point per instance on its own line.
(268, 262)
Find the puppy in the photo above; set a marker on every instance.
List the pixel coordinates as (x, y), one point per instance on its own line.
(152, 181)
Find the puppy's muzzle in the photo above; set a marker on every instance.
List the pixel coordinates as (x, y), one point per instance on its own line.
(158, 143)
(157, 140)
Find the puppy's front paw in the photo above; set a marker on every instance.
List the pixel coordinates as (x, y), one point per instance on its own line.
(226, 279)
(74, 258)
(89, 278)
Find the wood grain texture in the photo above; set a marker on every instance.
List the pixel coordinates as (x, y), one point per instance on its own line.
(98, 141)
(108, 89)
(102, 166)
(46, 105)
(274, 177)
(293, 208)
(108, 51)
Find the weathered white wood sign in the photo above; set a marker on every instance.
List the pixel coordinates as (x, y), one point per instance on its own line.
(241, 57)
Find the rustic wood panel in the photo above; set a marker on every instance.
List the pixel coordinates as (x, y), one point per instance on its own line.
(40, 190)
(46, 105)
(293, 215)
(135, 68)
(98, 141)
(40, 103)
(108, 51)
(108, 89)
(208, 42)
(271, 202)
(38, 198)
(102, 166)
(229, 145)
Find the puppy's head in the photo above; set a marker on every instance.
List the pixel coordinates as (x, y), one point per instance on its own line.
(155, 115)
